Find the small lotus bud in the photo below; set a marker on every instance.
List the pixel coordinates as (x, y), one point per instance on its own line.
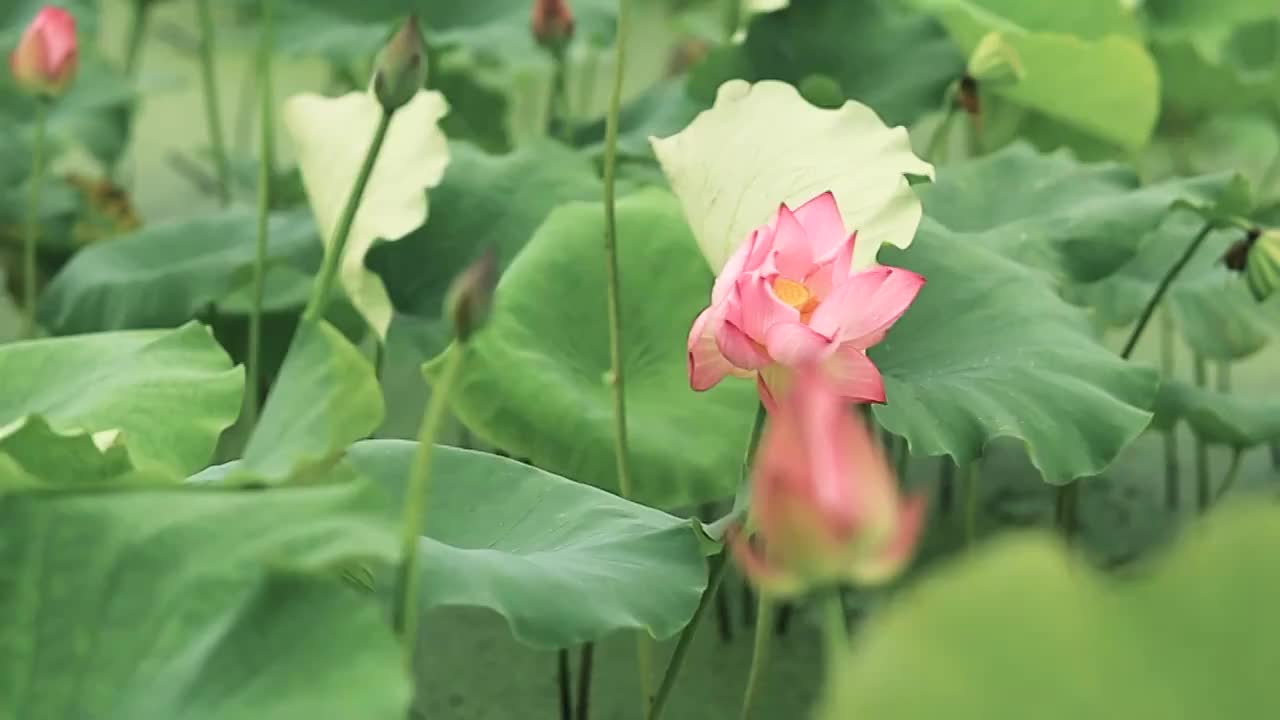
(44, 62)
(995, 62)
(552, 23)
(401, 68)
(467, 302)
(1262, 265)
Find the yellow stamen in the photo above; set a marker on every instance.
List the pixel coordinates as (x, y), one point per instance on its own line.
(797, 295)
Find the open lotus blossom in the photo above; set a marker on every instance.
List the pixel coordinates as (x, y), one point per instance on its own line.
(788, 296)
(44, 61)
(823, 499)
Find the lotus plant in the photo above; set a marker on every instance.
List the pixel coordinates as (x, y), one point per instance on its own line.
(788, 297)
(823, 498)
(45, 60)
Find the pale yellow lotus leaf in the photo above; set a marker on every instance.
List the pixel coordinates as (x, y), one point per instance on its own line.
(763, 144)
(331, 137)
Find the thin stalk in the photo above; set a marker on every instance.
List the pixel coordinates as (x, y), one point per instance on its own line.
(333, 254)
(938, 140)
(1172, 471)
(1200, 373)
(404, 616)
(1068, 494)
(267, 143)
(946, 485)
(1162, 288)
(564, 679)
(32, 235)
(719, 568)
(732, 18)
(136, 35)
(1233, 470)
(1223, 384)
(835, 629)
(969, 501)
(902, 458)
(586, 660)
(561, 124)
(213, 111)
(644, 650)
(759, 653)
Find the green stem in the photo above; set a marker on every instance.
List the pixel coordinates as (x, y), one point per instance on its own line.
(969, 500)
(1067, 501)
(1224, 377)
(732, 18)
(835, 631)
(586, 662)
(1172, 472)
(1200, 372)
(267, 142)
(213, 112)
(1233, 470)
(32, 235)
(719, 569)
(404, 616)
(333, 254)
(902, 458)
(939, 138)
(1162, 288)
(759, 651)
(137, 34)
(617, 377)
(561, 124)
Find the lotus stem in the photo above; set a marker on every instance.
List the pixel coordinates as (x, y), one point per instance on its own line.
(404, 616)
(32, 235)
(1162, 288)
(759, 652)
(586, 660)
(719, 567)
(213, 111)
(1200, 373)
(333, 254)
(1233, 470)
(1172, 472)
(617, 375)
(253, 363)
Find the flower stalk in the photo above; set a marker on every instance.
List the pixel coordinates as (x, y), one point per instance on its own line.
(30, 238)
(266, 120)
(213, 110)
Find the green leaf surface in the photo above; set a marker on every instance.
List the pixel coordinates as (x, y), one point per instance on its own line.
(1082, 64)
(483, 201)
(763, 145)
(166, 274)
(1211, 306)
(168, 394)
(1080, 222)
(46, 456)
(989, 350)
(156, 603)
(517, 540)
(1192, 17)
(331, 137)
(955, 646)
(1238, 421)
(534, 381)
(859, 44)
(326, 398)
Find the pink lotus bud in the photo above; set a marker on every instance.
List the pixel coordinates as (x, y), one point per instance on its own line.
(45, 60)
(824, 501)
(789, 297)
(552, 22)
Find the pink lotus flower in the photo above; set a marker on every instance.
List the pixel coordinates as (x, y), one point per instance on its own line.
(788, 296)
(823, 498)
(45, 60)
